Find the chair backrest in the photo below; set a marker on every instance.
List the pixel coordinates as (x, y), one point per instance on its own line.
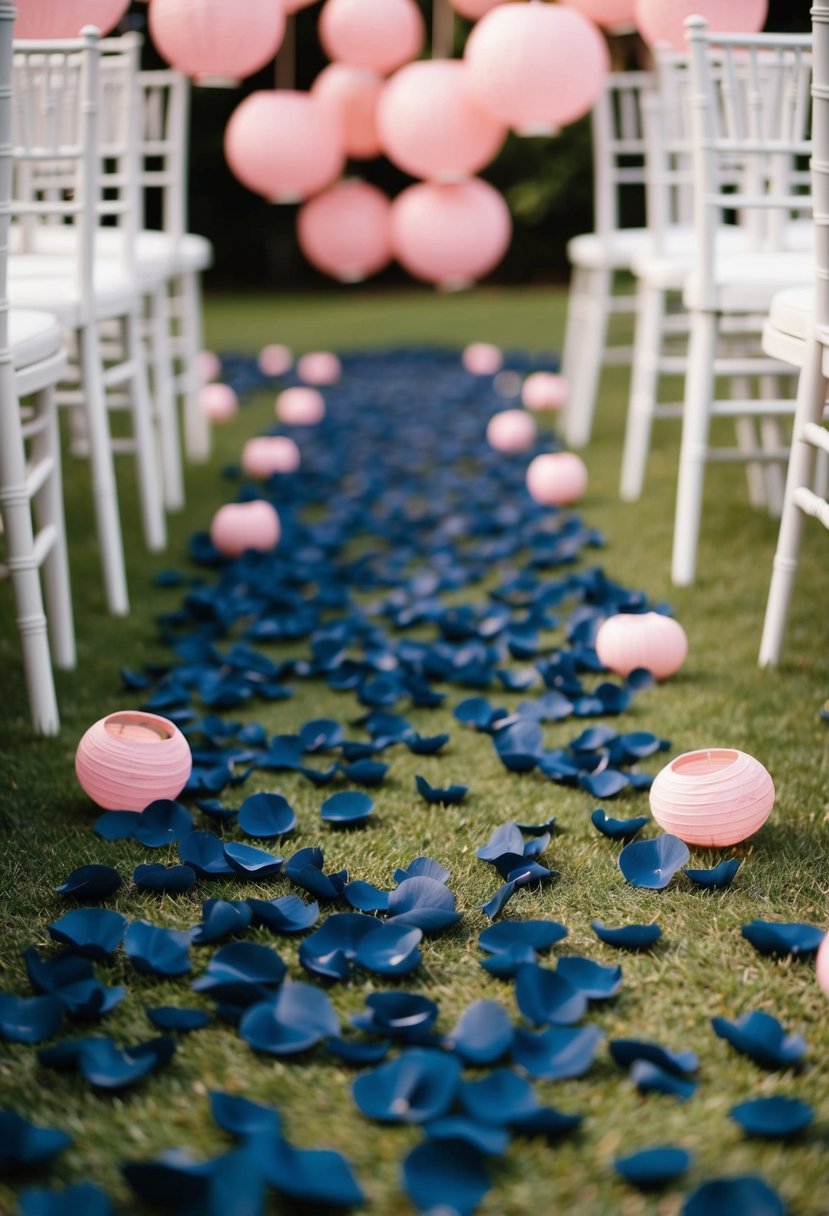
(820, 162)
(165, 113)
(668, 157)
(618, 146)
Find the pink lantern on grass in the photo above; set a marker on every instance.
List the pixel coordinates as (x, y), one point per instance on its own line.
(822, 965)
(536, 67)
(714, 797)
(300, 406)
(557, 479)
(217, 41)
(208, 365)
(219, 402)
(544, 391)
(482, 359)
(450, 234)
(378, 34)
(282, 144)
(66, 18)
(275, 359)
(473, 9)
(346, 231)
(662, 22)
(432, 127)
(238, 526)
(131, 758)
(612, 14)
(642, 639)
(511, 431)
(350, 96)
(319, 367)
(269, 454)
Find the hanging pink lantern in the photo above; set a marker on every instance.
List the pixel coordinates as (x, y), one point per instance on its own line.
(432, 127)
(66, 18)
(473, 9)
(536, 67)
(450, 234)
(245, 525)
(217, 41)
(346, 231)
(642, 639)
(282, 144)
(208, 365)
(544, 391)
(822, 965)
(219, 402)
(275, 359)
(319, 367)
(557, 478)
(350, 95)
(130, 758)
(269, 454)
(612, 14)
(662, 22)
(482, 359)
(511, 431)
(377, 34)
(300, 406)
(713, 797)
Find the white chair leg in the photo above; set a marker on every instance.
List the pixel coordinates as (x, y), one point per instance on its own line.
(164, 401)
(196, 422)
(146, 448)
(593, 337)
(699, 389)
(644, 387)
(48, 506)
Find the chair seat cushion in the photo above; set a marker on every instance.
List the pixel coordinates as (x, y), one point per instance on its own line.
(33, 336)
(48, 284)
(158, 255)
(791, 311)
(748, 282)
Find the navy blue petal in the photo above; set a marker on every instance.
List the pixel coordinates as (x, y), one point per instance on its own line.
(605, 784)
(204, 852)
(506, 838)
(774, 937)
(499, 900)
(418, 1086)
(93, 932)
(221, 918)
(482, 1035)
(346, 809)
(445, 1176)
(449, 795)
(760, 1036)
(423, 867)
(161, 823)
(358, 1051)
(366, 897)
(406, 1016)
(653, 863)
(170, 879)
(365, 772)
(24, 1144)
(627, 937)
(546, 996)
(626, 1051)
(617, 829)
(266, 816)
(175, 1017)
(389, 950)
(423, 903)
(29, 1019)
(242, 974)
(747, 1195)
(487, 1138)
(653, 1167)
(320, 1178)
(597, 982)
(650, 1078)
(241, 1117)
(296, 1018)
(116, 825)
(90, 883)
(251, 862)
(156, 951)
(557, 1053)
(287, 914)
(82, 1197)
(774, 1118)
(718, 877)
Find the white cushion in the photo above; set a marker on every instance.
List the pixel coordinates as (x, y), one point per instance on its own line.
(158, 255)
(791, 311)
(33, 336)
(748, 282)
(48, 283)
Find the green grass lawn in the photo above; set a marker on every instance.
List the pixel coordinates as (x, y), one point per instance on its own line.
(702, 966)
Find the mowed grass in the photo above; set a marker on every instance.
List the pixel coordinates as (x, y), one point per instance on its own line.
(701, 967)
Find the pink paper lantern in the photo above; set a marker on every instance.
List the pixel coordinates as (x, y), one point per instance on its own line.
(283, 145)
(238, 526)
(662, 22)
(713, 797)
(557, 478)
(648, 639)
(346, 231)
(544, 391)
(219, 402)
(128, 759)
(217, 41)
(612, 14)
(350, 96)
(822, 965)
(294, 6)
(378, 34)
(511, 431)
(269, 454)
(300, 406)
(432, 127)
(536, 67)
(275, 359)
(473, 9)
(66, 18)
(208, 365)
(482, 359)
(319, 367)
(450, 234)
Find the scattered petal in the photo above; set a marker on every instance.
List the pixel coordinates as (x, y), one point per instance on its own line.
(24, 1144)
(241, 1117)
(760, 1036)
(156, 951)
(221, 918)
(266, 816)
(320, 1178)
(204, 852)
(717, 878)
(482, 1035)
(346, 809)
(445, 1176)
(653, 1167)
(296, 1018)
(242, 974)
(626, 1051)
(451, 795)
(597, 982)
(627, 937)
(546, 997)
(358, 1051)
(83, 1197)
(251, 862)
(557, 1053)
(175, 1017)
(107, 1066)
(90, 883)
(650, 1078)
(172, 880)
(747, 1195)
(423, 903)
(773, 937)
(161, 823)
(287, 914)
(389, 950)
(774, 1118)
(29, 1019)
(618, 829)
(418, 1086)
(487, 1138)
(92, 932)
(653, 863)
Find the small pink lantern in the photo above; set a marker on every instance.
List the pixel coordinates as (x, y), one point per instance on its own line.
(642, 639)
(378, 34)
(238, 526)
(208, 365)
(822, 965)
(217, 41)
(544, 391)
(450, 234)
(713, 797)
(432, 127)
(319, 367)
(129, 759)
(482, 359)
(557, 478)
(269, 454)
(350, 95)
(536, 67)
(346, 231)
(66, 18)
(473, 9)
(511, 431)
(283, 145)
(662, 22)
(219, 402)
(275, 359)
(612, 14)
(300, 406)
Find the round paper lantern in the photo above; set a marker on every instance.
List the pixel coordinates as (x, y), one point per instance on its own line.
(238, 526)
(275, 359)
(282, 144)
(557, 478)
(300, 406)
(648, 639)
(66, 18)
(511, 431)
(544, 391)
(350, 96)
(482, 359)
(377, 34)
(473, 9)
(536, 67)
(219, 402)
(319, 367)
(612, 14)
(346, 231)
(432, 127)
(663, 21)
(450, 234)
(822, 965)
(713, 797)
(209, 366)
(129, 759)
(217, 41)
(269, 454)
